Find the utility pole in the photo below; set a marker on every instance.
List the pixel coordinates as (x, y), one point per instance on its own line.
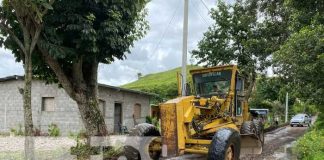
(286, 117)
(184, 48)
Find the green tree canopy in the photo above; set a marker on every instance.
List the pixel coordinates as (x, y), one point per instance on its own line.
(240, 35)
(77, 36)
(300, 60)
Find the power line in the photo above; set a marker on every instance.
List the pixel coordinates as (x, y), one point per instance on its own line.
(167, 27)
(203, 2)
(202, 17)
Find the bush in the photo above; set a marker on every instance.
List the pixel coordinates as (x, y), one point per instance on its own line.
(53, 130)
(17, 132)
(311, 145)
(82, 150)
(113, 152)
(153, 120)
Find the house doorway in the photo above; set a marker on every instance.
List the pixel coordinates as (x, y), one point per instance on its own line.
(117, 118)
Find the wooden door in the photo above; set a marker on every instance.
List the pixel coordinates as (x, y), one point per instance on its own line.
(117, 118)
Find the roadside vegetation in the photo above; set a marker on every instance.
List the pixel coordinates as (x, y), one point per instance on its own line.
(311, 145)
(270, 93)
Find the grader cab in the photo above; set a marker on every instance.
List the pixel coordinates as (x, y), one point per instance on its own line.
(214, 121)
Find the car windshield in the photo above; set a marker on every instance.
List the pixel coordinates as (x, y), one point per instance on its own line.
(299, 116)
(212, 83)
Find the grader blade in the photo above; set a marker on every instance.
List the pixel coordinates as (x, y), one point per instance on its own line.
(250, 144)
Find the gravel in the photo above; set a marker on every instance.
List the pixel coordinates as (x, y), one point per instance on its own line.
(12, 144)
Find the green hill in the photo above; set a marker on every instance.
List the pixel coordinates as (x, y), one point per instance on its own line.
(163, 83)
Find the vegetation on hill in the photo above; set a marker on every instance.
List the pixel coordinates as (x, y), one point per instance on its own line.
(164, 84)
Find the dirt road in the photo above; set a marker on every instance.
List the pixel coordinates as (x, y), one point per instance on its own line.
(274, 140)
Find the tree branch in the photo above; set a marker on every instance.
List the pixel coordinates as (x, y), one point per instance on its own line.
(61, 76)
(46, 9)
(35, 39)
(77, 74)
(93, 80)
(13, 35)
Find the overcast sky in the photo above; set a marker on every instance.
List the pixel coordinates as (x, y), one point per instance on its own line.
(158, 51)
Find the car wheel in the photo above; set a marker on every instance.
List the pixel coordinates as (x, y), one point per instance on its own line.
(291, 125)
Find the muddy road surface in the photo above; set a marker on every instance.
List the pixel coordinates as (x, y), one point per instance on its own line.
(275, 147)
(277, 142)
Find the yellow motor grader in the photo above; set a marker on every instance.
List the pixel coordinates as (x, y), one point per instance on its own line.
(214, 121)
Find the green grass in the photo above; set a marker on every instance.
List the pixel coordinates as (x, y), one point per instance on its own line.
(163, 83)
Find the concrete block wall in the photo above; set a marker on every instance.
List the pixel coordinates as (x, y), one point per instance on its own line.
(66, 114)
(128, 101)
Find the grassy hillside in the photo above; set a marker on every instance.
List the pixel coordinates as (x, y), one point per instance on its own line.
(162, 83)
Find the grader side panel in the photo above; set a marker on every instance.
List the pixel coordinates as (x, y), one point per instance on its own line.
(169, 130)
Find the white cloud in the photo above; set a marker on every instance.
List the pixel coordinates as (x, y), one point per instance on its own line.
(146, 57)
(8, 64)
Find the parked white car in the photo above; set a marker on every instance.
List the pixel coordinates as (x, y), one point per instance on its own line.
(300, 120)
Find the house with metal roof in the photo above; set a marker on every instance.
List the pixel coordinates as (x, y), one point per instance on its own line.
(121, 108)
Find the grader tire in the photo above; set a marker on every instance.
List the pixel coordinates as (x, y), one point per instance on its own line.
(259, 130)
(248, 127)
(226, 145)
(143, 130)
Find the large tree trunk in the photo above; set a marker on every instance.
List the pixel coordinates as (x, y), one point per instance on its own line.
(28, 118)
(92, 117)
(81, 86)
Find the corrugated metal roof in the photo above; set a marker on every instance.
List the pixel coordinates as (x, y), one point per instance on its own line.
(13, 77)
(17, 77)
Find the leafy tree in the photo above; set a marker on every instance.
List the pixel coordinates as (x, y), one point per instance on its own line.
(300, 60)
(240, 36)
(23, 33)
(78, 35)
(305, 13)
(272, 89)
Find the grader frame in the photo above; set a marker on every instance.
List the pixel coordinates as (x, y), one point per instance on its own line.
(181, 134)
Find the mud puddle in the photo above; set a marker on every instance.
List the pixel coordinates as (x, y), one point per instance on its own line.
(283, 153)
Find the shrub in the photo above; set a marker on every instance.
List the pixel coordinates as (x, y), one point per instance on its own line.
(53, 130)
(83, 151)
(17, 132)
(14, 131)
(311, 145)
(153, 120)
(113, 152)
